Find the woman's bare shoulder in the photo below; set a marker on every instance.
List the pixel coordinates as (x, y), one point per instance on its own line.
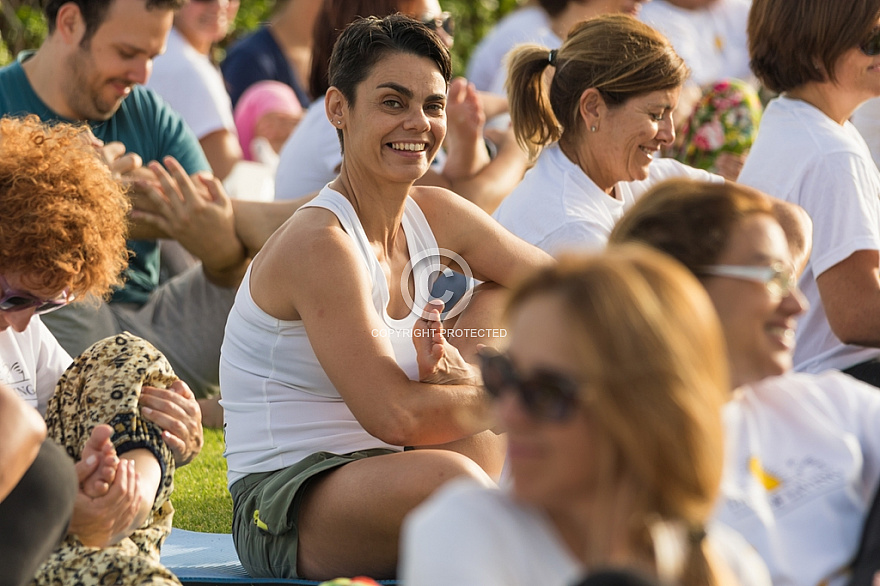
(442, 205)
(431, 193)
(309, 253)
(311, 240)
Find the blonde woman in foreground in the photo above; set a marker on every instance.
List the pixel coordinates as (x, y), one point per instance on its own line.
(611, 395)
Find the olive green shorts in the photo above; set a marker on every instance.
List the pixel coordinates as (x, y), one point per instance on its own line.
(265, 510)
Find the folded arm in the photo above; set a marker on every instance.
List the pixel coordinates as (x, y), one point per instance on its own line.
(312, 272)
(850, 292)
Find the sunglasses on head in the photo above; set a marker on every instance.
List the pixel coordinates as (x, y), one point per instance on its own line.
(546, 395)
(14, 300)
(871, 45)
(443, 20)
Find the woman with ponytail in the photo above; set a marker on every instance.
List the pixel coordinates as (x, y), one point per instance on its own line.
(610, 392)
(598, 124)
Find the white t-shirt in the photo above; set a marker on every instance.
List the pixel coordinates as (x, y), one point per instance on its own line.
(311, 156)
(31, 362)
(867, 119)
(470, 535)
(190, 83)
(279, 404)
(557, 207)
(487, 69)
(802, 465)
(802, 156)
(711, 40)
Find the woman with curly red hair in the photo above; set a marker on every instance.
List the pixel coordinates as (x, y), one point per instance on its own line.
(74, 239)
(62, 239)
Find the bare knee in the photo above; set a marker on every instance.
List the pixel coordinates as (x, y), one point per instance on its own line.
(441, 466)
(349, 521)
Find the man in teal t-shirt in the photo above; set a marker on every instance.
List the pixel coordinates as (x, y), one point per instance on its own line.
(145, 125)
(89, 69)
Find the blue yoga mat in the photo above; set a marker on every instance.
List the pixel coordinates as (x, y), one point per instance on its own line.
(210, 558)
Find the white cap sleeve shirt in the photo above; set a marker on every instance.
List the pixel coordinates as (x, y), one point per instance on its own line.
(31, 362)
(557, 207)
(802, 156)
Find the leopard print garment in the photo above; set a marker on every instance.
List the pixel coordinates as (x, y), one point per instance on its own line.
(102, 386)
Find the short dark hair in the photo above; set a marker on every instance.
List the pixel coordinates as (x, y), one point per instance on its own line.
(366, 41)
(95, 11)
(792, 42)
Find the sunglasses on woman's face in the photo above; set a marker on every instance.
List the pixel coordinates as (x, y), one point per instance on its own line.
(546, 395)
(14, 300)
(443, 20)
(871, 45)
(778, 279)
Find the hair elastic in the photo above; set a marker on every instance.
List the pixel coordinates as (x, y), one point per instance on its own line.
(697, 534)
(551, 58)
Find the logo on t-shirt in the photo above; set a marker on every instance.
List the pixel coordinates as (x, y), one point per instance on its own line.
(769, 481)
(795, 482)
(14, 376)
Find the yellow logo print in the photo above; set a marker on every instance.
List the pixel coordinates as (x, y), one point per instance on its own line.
(769, 481)
(259, 522)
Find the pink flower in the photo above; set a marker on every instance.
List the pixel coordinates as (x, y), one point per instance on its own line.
(727, 102)
(710, 137)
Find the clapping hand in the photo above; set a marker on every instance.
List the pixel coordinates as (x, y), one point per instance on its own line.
(196, 212)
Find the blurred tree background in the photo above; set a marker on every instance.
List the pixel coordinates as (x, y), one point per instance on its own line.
(22, 25)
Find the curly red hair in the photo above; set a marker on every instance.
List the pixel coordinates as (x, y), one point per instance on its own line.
(63, 217)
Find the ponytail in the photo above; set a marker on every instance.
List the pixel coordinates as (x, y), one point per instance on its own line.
(703, 566)
(534, 124)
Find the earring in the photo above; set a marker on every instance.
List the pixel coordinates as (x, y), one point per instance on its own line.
(593, 128)
(338, 122)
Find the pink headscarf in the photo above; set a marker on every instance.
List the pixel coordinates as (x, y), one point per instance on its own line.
(261, 98)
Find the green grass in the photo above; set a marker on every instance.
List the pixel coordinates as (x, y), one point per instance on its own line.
(201, 500)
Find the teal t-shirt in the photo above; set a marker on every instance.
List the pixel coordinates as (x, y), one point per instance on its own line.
(146, 125)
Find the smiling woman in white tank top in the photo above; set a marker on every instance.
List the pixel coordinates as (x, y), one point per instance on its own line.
(333, 361)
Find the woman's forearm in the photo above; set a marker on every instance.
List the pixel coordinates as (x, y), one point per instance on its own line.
(22, 431)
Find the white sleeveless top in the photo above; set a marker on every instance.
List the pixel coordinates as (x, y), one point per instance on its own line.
(279, 405)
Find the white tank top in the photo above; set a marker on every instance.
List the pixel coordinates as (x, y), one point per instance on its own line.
(279, 405)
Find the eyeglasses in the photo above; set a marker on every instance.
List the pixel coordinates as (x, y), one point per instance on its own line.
(14, 300)
(546, 395)
(779, 279)
(871, 45)
(443, 20)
